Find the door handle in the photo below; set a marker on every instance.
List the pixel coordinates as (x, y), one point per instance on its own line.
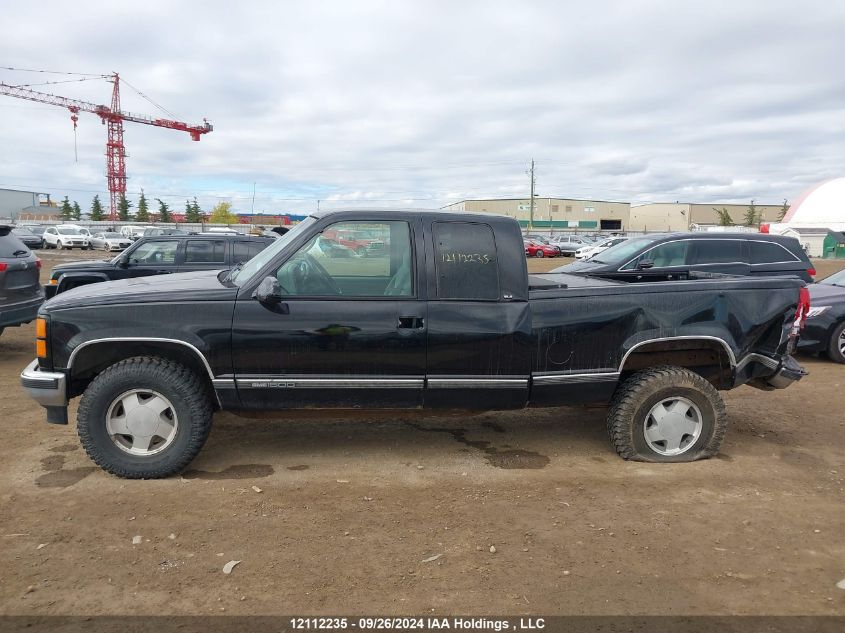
(411, 323)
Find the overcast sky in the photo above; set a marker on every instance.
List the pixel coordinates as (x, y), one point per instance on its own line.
(424, 103)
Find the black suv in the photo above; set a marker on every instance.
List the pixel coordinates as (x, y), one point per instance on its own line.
(20, 289)
(676, 255)
(160, 255)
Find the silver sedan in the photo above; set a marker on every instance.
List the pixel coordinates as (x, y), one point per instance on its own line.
(110, 241)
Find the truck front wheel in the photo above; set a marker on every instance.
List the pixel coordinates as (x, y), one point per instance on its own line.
(144, 418)
(666, 414)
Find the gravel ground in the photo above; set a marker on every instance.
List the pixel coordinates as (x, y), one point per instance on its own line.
(501, 513)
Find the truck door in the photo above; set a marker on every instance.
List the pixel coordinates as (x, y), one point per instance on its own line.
(478, 317)
(349, 331)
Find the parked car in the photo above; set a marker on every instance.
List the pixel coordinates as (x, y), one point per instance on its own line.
(676, 255)
(153, 231)
(538, 249)
(589, 250)
(446, 317)
(30, 239)
(110, 241)
(544, 239)
(133, 232)
(825, 327)
(20, 290)
(65, 236)
(568, 244)
(158, 256)
(35, 228)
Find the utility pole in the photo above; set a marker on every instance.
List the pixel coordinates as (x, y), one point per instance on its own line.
(252, 209)
(531, 202)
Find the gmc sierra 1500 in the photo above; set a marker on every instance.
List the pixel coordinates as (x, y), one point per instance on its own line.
(443, 315)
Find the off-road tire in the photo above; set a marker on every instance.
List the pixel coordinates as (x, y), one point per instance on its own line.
(185, 390)
(638, 394)
(833, 351)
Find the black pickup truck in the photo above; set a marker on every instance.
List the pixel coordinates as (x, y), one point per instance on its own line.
(443, 316)
(159, 255)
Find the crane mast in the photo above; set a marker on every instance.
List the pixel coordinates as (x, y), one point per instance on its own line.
(113, 117)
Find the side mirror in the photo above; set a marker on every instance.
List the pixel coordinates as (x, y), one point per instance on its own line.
(646, 263)
(123, 262)
(269, 292)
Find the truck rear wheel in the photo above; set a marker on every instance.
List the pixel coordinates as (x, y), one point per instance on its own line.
(144, 418)
(666, 414)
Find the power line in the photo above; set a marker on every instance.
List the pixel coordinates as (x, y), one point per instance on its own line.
(60, 81)
(50, 72)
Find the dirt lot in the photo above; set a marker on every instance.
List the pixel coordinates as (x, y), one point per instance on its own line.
(349, 510)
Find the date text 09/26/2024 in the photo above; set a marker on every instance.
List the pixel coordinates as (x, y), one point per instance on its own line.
(408, 623)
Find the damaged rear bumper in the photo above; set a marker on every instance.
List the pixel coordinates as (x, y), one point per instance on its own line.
(767, 373)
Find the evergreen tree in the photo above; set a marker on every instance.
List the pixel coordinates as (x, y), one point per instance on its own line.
(192, 212)
(752, 216)
(725, 218)
(77, 212)
(163, 211)
(783, 210)
(143, 214)
(96, 214)
(123, 209)
(67, 211)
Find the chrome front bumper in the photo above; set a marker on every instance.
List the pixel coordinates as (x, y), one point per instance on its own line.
(47, 388)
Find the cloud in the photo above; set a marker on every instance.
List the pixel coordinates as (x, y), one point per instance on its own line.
(425, 103)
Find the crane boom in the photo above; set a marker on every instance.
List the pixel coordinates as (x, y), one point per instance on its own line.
(112, 116)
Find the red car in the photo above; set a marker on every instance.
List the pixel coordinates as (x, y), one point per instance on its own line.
(536, 249)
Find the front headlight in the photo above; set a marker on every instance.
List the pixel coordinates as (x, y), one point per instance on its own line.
(818, 310)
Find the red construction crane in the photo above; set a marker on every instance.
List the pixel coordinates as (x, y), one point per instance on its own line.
(113, 117)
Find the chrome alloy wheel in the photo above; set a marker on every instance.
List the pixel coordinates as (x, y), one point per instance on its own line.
(841, 343)
(672, 426)
(141, 422)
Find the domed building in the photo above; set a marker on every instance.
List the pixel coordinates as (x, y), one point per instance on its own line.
(817, 212)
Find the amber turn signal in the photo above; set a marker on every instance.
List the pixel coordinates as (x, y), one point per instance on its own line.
(41, 328)
(54, 282)
(41, 348)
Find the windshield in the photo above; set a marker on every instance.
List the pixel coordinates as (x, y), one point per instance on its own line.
(111, 235)
(63, 231)
(258, 262)
(22, 232)
(837, 279)
(622, 251)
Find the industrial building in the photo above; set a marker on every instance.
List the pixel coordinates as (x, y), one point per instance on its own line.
(681, 216)
(30, 205)
(554, 213)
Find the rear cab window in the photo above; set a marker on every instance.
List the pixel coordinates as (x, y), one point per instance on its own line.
(10, 245)
(465, 261)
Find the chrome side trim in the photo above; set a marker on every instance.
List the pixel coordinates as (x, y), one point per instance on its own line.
(223, 383)
(457, 382)
(142, 339)
(569, 379)
(702, 337)
(293, 382)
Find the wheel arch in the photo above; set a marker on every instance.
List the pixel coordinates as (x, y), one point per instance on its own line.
(709, 356)
(91, 357)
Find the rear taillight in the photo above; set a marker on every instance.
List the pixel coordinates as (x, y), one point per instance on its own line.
(38, 263)
(3, 266)
(811, 272)
(802, 311)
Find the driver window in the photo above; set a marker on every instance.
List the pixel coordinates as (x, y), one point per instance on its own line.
(155, 253)
(353, 259)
